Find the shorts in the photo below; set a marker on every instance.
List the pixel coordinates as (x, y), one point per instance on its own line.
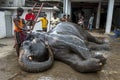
(19, 37)
(44, 29)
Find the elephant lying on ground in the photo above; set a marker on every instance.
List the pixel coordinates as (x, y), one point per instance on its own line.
(69, 43)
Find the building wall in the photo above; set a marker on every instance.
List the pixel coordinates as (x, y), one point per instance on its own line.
(6, 3)
(116, 18)
(8, 20)
(2, 25)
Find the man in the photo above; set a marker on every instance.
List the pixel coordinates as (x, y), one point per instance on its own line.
(19, 29)
(90, 25)
(81, 20)
(68, 18)
(44, 21)
(29, 17)
(63, 19)
(54, 20)
(117, 33)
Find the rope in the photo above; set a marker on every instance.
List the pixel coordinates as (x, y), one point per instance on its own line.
(48, 46)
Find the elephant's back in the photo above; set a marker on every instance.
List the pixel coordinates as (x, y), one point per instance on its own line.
(66, 28)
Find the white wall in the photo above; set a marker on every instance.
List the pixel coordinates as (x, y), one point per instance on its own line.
(2, 25)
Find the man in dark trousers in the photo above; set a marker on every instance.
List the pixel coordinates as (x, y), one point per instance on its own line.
(19, 30)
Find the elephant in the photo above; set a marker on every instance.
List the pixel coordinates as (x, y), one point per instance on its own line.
(68, 43)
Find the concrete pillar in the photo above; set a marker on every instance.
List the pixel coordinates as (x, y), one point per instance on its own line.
(98, 16)
(15, 3)
(109, 16)
(66, 6)
(23, 2)
(69, 7)
(19, 3)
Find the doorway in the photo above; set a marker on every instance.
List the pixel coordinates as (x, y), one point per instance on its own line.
(86, 9)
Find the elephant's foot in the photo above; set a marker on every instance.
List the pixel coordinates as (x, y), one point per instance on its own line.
(89, 65)
(100, 57)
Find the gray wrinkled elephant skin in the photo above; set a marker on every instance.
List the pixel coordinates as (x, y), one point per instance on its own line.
(69, 43)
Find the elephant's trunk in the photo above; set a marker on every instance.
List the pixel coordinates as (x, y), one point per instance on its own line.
(29, 65)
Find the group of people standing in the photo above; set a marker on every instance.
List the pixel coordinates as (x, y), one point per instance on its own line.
(22, 26)
(55, 20)
(81, 21)
(44, 21)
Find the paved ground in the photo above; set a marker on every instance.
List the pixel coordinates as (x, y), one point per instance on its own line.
(10, 70)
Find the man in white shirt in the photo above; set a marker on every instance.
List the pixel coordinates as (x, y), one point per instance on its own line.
(90, 25)
(54, 21)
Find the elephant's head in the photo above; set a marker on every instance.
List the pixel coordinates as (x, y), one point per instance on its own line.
(33, 56)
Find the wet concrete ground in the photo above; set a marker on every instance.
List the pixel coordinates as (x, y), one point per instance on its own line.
(10, 70)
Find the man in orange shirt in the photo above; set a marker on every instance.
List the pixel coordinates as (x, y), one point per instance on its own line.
(19, 29)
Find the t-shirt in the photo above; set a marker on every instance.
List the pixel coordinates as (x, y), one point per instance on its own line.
(20, 23)
(91, 20)
(54, 22)
(30, 17)
(44, 22)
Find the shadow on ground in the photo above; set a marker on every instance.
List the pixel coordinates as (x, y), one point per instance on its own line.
(1, 45)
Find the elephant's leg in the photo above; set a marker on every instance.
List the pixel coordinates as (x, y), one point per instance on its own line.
(74, 43)
(94, 46)
(88, 36)
(84, 53)
(72, 59)
(94, 39)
